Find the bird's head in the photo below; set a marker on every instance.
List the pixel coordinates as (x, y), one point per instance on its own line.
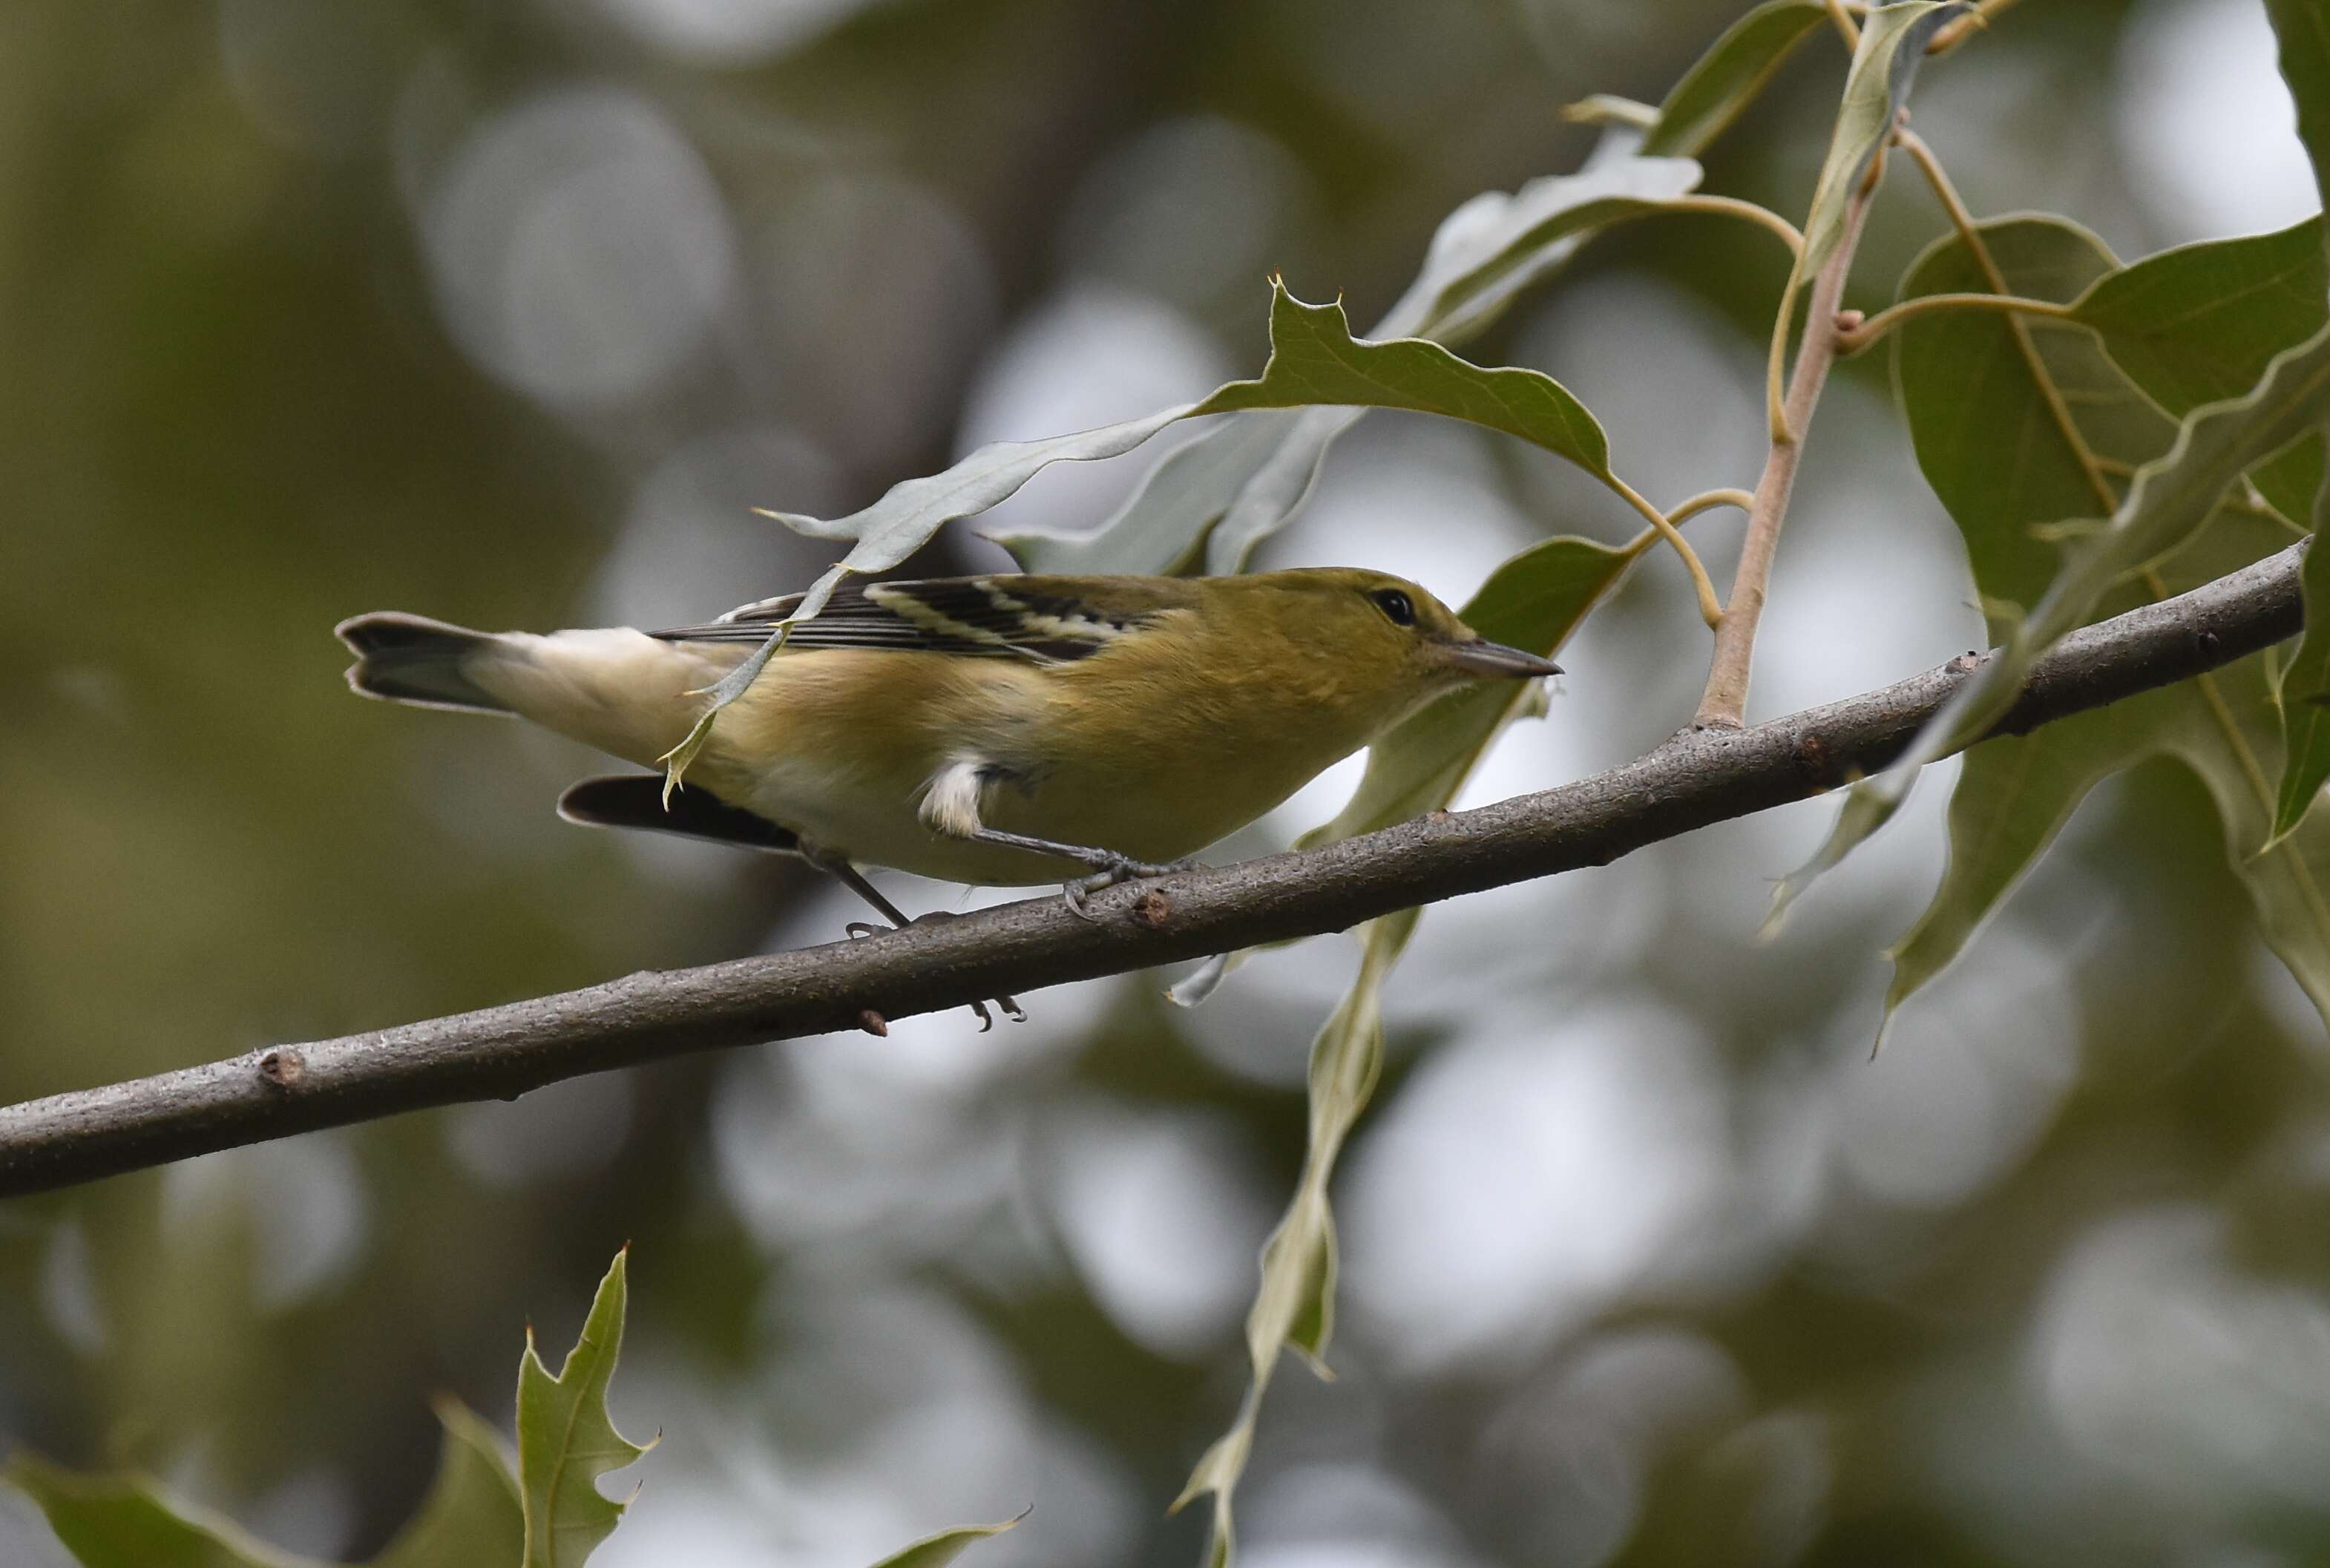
(1393, 636)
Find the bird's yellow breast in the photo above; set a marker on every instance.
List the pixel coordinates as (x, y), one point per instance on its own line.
(1153, 757)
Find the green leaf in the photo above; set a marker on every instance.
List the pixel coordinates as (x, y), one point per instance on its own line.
(472, 1516)
(1534, 601)
(2014, 795)
(2166, 505)
(1213, 499)
(2199, 323)
(1205, 504)
(2304, 698)
(2302, 27)
(1985, 431)
(565, 1439)
(469, 1519)
(2009, 439)
(1495, 246)
(936, 1551)
(1893, 41)
(1314, 359)
(130, 1522)
(1730, 75)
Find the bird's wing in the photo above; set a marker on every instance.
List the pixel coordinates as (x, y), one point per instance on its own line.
(1043, 620)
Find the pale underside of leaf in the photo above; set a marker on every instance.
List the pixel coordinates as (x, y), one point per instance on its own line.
(1893, 41)
(1314, 363)
(1212, 500)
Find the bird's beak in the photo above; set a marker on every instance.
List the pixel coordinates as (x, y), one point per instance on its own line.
(1494, 659)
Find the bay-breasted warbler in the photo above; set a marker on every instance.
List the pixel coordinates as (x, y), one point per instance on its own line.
(997, 729)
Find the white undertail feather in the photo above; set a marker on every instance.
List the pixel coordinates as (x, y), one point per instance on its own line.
(621, 691)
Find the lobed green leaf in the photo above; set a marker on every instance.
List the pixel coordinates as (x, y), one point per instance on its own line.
(566, 1439)
(1208, 504)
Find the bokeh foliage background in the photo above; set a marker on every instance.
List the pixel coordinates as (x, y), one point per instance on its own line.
(508, 314)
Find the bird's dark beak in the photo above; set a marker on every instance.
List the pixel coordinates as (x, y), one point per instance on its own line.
(1494, 659)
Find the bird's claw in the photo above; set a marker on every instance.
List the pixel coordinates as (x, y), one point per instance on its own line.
(1120, 869)
(858, 929)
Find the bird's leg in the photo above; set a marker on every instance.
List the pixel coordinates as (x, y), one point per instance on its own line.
(952, 803)
(1109, 867)
(851, 877)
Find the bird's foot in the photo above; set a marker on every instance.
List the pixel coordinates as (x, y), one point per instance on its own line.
(1011, 1008)
(1118, 869)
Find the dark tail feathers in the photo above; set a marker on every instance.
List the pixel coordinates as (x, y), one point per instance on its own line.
(410, 659)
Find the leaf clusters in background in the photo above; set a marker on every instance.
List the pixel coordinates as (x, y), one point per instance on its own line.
(2022, 424)
(480, 1512)
(2174, 407)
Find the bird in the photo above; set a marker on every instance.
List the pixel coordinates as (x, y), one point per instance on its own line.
(999, 730)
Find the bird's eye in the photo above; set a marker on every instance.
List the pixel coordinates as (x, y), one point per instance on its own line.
(1397, 605)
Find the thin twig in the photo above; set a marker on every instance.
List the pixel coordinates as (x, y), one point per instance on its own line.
(1707, 500)
(1724, 703)
(1687, 784)
(1852, 340)
(1965, 27)
(1755, 213)
(1711, 608)
(1845, 27)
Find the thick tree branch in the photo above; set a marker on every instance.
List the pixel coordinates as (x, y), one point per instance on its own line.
(1693, 780)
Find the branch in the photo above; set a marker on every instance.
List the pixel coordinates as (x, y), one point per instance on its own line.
(1724, 703)
(1697, 778)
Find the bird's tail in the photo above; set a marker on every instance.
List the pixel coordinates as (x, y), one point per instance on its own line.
(411, 658)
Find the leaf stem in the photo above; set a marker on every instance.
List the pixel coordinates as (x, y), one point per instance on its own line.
(1708, 501)
(1732, 206)
(1965, 27)
(1711, 608)
(1845, 27)
(1724, 703)
(1853, 339)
